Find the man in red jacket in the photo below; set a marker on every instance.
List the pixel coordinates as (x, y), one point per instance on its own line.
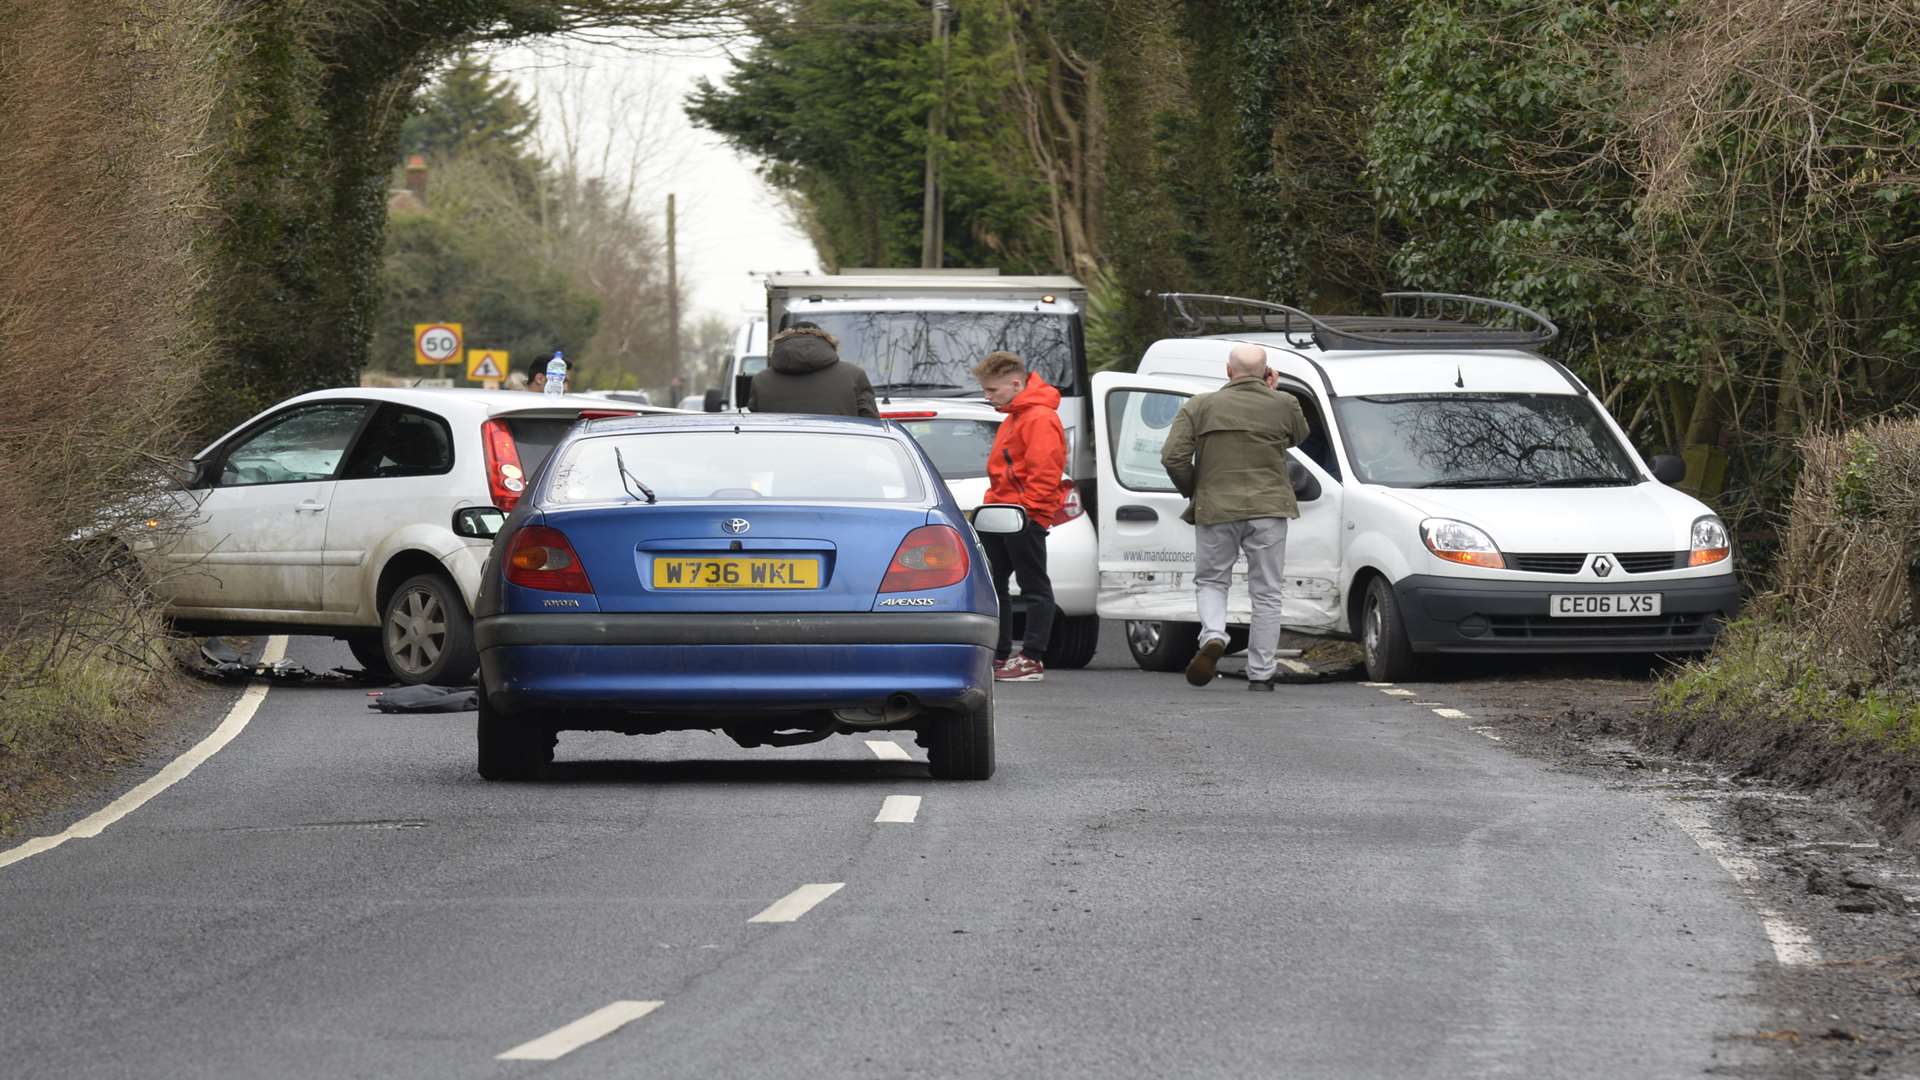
(1025, 466)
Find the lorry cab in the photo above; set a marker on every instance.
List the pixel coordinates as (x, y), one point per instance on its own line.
(1458, 493)
(918, 334)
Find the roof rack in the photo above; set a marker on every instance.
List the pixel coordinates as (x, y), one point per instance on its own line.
(1416, 320)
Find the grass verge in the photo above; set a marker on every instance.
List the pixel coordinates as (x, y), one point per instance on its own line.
(87, 713)
(1769, 703)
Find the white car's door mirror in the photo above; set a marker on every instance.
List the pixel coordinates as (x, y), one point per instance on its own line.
(478, 522)
(1002, 518)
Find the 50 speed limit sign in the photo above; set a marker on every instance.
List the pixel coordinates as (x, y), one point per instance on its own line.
(436, 343)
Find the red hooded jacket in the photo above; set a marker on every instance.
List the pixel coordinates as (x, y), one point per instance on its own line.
(1030, 453)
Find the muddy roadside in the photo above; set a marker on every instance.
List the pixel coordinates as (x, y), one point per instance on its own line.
(1819, 858)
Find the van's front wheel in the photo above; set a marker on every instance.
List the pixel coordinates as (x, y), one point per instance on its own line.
(1162, 646)
(1383, 636)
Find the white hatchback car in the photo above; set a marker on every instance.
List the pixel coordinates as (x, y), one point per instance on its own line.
(957, 434)
(363, 514)
(1458, 494)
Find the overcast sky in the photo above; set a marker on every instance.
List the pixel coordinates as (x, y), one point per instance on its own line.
(732, 227)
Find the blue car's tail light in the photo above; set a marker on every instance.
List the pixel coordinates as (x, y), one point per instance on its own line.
(542, 558)
(931, 557)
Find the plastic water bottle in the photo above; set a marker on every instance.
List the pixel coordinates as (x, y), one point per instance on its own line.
(557, 374)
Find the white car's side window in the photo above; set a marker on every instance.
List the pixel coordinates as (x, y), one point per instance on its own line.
(1140, 420)
(304, 444)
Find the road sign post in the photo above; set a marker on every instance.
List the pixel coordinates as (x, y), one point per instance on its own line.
(436, 343)
(488, 366)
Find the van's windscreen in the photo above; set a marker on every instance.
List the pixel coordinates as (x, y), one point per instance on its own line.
(932, 353)
(1481, 440)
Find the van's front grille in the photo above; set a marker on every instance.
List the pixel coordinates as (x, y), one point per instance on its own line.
(1650, 562)
(1633, 562)
(1548, 564)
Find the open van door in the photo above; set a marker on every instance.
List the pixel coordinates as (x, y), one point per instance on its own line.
(1146, 551)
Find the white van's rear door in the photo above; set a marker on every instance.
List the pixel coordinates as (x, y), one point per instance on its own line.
(1146, 551)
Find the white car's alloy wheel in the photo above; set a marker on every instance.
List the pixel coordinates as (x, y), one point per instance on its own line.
(416, 631)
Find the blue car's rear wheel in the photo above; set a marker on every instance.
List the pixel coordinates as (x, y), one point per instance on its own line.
(511, 748)
(960, 743)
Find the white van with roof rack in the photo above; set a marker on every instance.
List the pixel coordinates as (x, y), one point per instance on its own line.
(1459, 493)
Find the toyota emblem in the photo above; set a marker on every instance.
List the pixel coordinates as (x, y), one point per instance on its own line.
(736, 526)
(1602, 566)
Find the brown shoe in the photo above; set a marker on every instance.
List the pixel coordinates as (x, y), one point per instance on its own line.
(1200, 668)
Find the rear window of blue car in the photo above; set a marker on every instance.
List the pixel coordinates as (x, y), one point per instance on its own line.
(728, 466)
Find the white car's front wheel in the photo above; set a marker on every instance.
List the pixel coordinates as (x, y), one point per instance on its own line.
(427, 634)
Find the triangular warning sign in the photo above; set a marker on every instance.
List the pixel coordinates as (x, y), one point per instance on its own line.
(486, 368)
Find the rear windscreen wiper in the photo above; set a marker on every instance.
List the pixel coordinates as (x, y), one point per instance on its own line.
(632, 482)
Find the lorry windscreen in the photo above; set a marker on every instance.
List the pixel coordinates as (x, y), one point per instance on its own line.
(932, 353)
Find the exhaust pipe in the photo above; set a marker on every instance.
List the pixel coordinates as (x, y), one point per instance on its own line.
(900, 708)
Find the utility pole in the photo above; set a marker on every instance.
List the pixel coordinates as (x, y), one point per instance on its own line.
(673, 296)
(933, 206)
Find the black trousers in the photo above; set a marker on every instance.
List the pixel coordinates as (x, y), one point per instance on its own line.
(1023, 555)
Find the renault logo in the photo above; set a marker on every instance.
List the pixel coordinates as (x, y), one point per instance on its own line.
(736, 526)
(1602, 566)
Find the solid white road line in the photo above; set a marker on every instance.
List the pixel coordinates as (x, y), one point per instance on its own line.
(899, 810)
(888, 750)
(798, 902)
(1451, 714)
(174, 772)
(1792, 945)
(595, 1025)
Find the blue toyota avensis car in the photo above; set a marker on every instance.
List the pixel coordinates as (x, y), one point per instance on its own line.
(777, 578)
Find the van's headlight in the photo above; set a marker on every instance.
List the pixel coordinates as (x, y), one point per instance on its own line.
(1457, 541)
(1710, 543)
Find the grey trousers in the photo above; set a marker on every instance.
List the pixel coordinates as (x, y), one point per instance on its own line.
(1215, 549)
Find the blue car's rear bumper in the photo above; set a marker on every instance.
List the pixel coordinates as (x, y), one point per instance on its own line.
(713, 666)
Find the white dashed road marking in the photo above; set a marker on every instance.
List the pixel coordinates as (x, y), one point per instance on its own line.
(798, 902)
(888, 750)
(1294, 666)
(1451, 714)
(1376, 685)
(1791, 944)
(1488, 732)
(595, 1025)
(899, 810)
(1398, 693)
(176, 770)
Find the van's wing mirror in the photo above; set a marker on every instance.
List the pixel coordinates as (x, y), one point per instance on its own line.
(711, 401)
(1004, 518)
(1306, 486)
(1668, 469)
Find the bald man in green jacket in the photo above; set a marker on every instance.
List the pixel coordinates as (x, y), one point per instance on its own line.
(1227, 453)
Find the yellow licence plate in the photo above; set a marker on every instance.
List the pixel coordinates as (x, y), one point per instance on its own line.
(736, 572)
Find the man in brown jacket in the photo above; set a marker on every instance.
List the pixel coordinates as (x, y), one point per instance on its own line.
(1227, 452)
(804, 374)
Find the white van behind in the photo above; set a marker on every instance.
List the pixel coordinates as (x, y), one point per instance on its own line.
(1459, 493)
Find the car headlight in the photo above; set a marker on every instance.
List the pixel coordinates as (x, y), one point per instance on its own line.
(1710, 543)
(1457, 541)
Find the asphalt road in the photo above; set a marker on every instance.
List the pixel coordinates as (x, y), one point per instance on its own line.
(1158, 882)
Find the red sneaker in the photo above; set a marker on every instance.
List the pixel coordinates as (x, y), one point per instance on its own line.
(1019, 668)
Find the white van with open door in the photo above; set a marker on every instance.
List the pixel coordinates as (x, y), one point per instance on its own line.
(1459, 493)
